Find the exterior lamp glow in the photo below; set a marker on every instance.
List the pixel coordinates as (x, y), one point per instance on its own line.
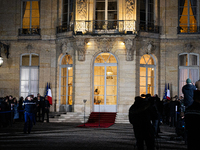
(1, 61)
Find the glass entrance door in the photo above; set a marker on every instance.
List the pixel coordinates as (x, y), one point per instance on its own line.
(105, 83)
(66, 84)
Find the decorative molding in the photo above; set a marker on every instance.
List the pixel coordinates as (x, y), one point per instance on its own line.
(82, 9)
(188, 48)
(129, 49)
(29, 48)
(105, 44)
(80, 43)
(149, 47)
(130, 6)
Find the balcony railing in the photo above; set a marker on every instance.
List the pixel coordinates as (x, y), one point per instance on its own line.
(149, 28)
(100, 27)
(188, 29)
(29, 31)
(61, 29)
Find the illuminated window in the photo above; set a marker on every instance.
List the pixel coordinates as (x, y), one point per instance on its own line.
(188, 16)
(146, 14)
(30, 14)
(147, 75)
(106, 10)
(68, 13)
(105, 83)
(66, 83)
(188, 68)
(29, 75)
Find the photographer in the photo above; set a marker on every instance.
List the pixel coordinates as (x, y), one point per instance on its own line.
(141, 114)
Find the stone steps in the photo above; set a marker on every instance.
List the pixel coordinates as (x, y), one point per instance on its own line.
(73, 117)
(122, 118)
(76, 117)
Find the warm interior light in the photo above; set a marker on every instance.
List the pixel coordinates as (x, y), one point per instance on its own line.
(109, 73)
(184, 19)
(122, 43)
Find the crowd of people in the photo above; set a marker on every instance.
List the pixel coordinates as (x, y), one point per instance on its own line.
(12, 110)
(183, 113)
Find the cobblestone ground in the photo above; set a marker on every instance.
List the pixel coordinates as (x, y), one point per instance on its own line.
(65, 136)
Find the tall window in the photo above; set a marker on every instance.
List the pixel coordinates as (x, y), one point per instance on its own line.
(30, 14)
(29, 75)
(146, 14)
(106, 10)
(66, 83)
(147, 75)
(188, 16)
(68, 13)
(188, 68)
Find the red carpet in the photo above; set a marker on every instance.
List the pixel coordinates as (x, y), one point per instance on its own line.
(100, 120)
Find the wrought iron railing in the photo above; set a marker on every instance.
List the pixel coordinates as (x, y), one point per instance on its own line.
(188, 29)
(61, 29)
(149, 28)
(100, 27)
(29, 31)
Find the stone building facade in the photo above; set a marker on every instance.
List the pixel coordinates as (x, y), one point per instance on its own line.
(104, 51)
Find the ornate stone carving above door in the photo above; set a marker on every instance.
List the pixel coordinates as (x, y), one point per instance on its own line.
(105, 44)
(129, 49)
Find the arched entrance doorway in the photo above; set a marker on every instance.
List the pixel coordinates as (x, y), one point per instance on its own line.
(105, 81)
(66, 83)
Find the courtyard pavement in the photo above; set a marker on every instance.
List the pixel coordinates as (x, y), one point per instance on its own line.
(67, 136)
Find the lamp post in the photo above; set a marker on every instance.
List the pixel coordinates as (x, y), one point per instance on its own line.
(84, 109)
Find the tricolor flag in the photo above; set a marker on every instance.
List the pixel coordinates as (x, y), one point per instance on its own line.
(49, 96)
(168, 93)
(165, 92)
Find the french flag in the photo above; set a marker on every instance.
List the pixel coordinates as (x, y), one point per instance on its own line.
(168, 93)
(49, 95)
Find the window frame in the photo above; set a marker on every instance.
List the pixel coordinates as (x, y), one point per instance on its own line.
(188, 17)
(188, 67)
(147, 13)
(68, 12)
(148, 66)
(105, 10)
(105, 64)
(29, 67)
(59, 94)
(30, 12)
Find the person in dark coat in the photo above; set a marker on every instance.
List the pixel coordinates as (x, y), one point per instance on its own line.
(20, 108)
(188, 91)
(46, 108)
(192, 122)
(29, 107)
(140, 115)
(40, 107)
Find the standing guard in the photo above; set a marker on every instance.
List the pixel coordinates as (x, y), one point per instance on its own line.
(29, 107)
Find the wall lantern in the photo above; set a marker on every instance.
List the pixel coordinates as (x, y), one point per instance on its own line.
(6, 51)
